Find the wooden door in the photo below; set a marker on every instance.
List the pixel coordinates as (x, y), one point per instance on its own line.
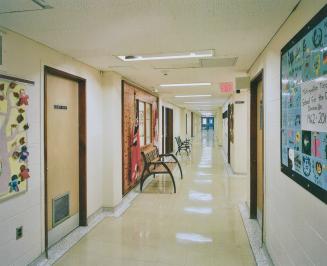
(169, 131)
(62, 153)
(260, 165)
(229, 123)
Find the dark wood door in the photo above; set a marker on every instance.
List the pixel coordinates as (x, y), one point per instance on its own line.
(169, 131)
(229, 131)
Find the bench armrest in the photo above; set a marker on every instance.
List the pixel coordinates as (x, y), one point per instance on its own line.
(157, 163)
(168, 155)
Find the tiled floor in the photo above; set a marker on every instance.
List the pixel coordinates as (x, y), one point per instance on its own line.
(200, 225)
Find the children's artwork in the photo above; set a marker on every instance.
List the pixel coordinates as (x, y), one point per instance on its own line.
(304, 107)
(14, 151)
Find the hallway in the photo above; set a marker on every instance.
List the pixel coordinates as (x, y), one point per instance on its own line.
(200, 225)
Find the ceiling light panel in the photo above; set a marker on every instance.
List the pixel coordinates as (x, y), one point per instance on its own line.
(196, 102)
(193, 96)
(186, 55)
(186, 84)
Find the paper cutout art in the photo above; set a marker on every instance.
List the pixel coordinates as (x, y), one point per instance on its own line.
(14, 151)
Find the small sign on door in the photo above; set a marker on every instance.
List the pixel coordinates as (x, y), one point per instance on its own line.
(60, 107)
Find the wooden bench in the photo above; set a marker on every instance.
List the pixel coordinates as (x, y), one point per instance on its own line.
(155, 163)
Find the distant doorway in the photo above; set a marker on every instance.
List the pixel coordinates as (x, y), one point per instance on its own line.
(257, 150)
(169, 133)
(207, 122)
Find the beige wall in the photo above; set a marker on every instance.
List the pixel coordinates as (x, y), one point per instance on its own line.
(112, 147)
(240, 153)
(219, 126)
(295, 220)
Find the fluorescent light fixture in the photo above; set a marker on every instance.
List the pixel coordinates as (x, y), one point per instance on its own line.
(193, 96)
(186, 84)
(195, 102)
(185, 55)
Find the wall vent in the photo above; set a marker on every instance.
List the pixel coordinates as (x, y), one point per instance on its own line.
(60, 208)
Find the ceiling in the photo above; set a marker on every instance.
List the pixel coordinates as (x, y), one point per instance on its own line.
(95, 32)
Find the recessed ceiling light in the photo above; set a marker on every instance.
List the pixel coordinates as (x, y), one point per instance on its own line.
(186, 84)
(197, 54)
(192, 96)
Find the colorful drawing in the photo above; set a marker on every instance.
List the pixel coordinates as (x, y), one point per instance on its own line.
(298, 162)
(306, 142)
(14, 154)
(291, 163)
(306, 166)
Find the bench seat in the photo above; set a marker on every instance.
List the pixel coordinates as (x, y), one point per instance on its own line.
(155, 163)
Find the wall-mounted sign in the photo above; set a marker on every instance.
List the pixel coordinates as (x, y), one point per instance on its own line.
(304, 107)
(60, 107)
(226, 87)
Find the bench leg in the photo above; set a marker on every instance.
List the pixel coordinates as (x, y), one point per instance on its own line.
(172, 178)
(180, 169)
(142, 179)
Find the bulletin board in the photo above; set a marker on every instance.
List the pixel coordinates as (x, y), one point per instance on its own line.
(14, 148)
(304, 107)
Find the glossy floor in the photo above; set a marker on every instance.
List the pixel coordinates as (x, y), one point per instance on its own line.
(200, 225)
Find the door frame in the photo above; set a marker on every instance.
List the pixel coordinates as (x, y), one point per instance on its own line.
(186, 124)
(82, 147)
(163, 126)
(192, 124)
(228, 133)
(168, 128)
(253, 149)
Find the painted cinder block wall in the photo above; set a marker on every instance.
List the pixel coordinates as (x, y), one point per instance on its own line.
(295, 221)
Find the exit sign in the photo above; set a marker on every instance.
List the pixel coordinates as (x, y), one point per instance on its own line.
(226, 87)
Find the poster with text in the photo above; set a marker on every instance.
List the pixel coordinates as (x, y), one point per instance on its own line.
(304, 107)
